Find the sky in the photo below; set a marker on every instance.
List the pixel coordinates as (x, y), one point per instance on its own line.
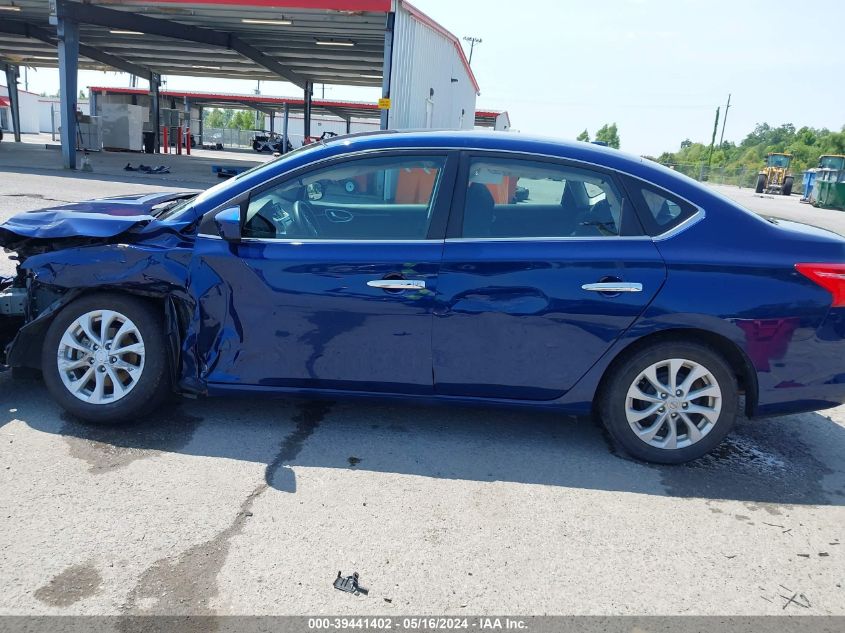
(657, 68)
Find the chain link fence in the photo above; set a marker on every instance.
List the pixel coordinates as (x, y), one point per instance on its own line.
(232, 137)
(229, 137)
(736, 176)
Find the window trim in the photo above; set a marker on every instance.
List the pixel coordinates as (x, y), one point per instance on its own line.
(631, 227)
(439, 204)
(690, 213)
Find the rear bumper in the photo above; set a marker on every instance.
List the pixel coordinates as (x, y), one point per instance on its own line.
(810, 375)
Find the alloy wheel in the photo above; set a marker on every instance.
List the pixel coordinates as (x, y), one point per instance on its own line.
(101, 356)
(673, 403)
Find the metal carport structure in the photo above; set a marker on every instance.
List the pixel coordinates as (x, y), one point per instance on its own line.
(347, 42)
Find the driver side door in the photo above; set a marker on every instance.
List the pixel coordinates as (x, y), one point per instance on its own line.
(331, 286)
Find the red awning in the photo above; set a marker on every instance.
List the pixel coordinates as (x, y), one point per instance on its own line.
(4, 102)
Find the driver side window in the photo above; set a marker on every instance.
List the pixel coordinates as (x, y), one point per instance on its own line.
(387, 198)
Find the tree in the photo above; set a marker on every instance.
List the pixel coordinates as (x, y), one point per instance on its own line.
(215, 118)
(243, 120)
(609, 134)
(583, 136)
(805, 144)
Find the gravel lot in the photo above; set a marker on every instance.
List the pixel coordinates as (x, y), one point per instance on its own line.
(248, 507)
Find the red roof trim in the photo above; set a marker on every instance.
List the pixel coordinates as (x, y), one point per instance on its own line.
(422, 17)
(358, 105)
(4, 102)
(377, 6)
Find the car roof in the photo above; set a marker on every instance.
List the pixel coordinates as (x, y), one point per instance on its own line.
(580, 151)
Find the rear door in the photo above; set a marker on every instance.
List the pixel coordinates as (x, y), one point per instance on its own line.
(544, 266)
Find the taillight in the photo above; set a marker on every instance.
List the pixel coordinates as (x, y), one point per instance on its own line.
(831, 277)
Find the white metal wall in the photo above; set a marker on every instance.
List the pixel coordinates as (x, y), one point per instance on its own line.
(422, 92)
(45, 114)
(27, 110)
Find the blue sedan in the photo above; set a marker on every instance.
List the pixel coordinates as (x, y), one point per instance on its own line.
(459, 267)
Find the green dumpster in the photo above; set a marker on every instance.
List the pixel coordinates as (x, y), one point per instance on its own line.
(829, 189)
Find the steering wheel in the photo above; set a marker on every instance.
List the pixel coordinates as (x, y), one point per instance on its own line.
(305, 218)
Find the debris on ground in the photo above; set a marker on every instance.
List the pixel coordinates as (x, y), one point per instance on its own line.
(350, 584)
(161, 169)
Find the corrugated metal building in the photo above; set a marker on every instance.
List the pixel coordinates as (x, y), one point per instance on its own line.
(418, 64)
(431, 83)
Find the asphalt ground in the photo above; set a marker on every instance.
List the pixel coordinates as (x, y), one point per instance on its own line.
(252, 507)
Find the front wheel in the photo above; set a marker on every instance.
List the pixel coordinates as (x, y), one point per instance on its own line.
(670, 403)
(105, 358)
(787, 186)
(761, 183)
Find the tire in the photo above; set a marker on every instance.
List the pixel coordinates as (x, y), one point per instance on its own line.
(142, 370)
(619, 396)
(787, 186)
(761, 183)
(256, 146)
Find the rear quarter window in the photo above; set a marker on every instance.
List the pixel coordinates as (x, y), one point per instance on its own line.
(660, 211)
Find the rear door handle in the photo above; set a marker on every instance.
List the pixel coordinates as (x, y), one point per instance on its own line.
(397, 284)
(613, 286)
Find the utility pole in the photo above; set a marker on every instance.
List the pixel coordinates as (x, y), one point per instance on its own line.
(725, 121)
(713, 140)
(472, 42)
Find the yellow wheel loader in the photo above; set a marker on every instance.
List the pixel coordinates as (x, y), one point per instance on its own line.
(776, 178)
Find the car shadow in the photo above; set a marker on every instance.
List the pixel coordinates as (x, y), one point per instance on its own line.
(791, 460)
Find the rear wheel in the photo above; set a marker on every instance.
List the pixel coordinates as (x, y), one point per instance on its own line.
(105, 358)
(787, 186)
(670, 403)
(761, 183)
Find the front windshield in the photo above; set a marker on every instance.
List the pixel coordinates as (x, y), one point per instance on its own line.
(779, 160)
(175, 210)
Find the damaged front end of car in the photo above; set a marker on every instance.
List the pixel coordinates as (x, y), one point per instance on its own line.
(118, 246)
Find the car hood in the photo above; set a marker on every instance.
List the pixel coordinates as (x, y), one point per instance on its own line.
(94, 218)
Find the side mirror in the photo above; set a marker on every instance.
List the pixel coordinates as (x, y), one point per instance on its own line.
(228, 223)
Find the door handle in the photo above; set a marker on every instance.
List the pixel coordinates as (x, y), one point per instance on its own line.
(613, 286)
(339, 215)
(397, 284)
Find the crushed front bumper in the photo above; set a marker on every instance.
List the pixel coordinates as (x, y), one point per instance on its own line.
(12, 313)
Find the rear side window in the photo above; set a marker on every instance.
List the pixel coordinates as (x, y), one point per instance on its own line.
(523, 198)
(662, 211)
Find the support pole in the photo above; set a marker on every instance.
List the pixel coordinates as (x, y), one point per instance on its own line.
(387, 67)
(92, 103)
(14, 102)
(68, 35)
(272, 122)
(202, 142)
(285, 125)
(187, 127)
(309, 89)
(155, 114)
